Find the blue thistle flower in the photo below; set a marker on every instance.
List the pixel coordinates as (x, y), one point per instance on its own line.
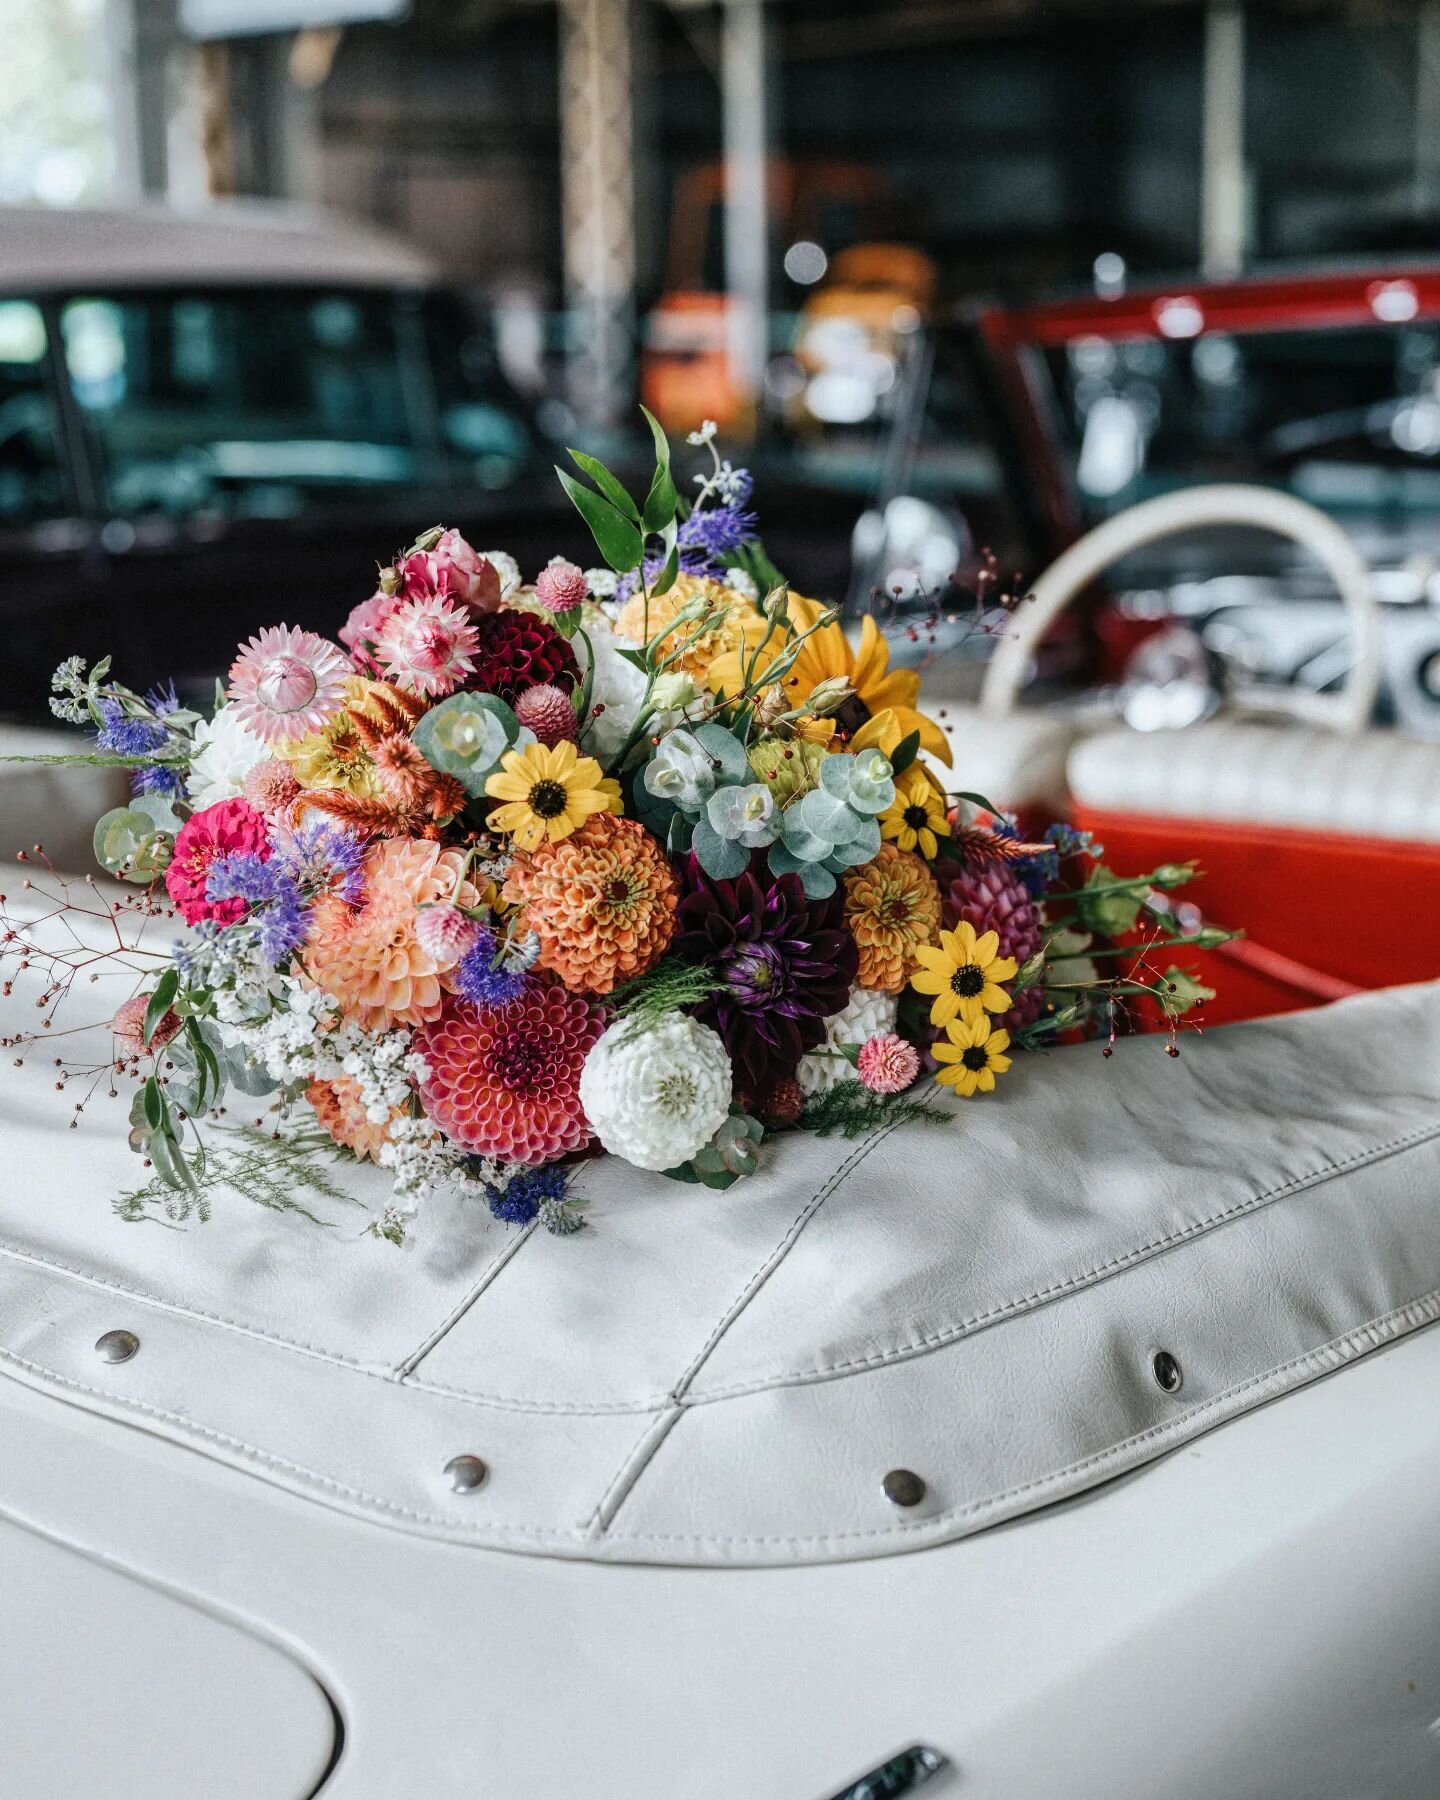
(124, 736)
(159, 778)
(162, 699)
(717, 530)
(323, 859)
(527, 1190)
(277, 906)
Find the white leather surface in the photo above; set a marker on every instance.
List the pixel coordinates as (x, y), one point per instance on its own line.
(114, 1687)
(56, 807)
(1016, 759)
(1254, 1617)
(1376, 784)
(979, 1303)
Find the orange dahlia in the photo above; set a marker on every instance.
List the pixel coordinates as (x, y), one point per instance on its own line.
(368, 957)
(892, 906)
(602, 902)
(736, 624)
(505, 1081)
(337, 1106)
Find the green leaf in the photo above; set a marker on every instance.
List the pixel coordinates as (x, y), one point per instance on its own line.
(636, 658)
(1110, 914)
(154, 1104)
(665, 580)
(905, 753)
(726, 749)
(1179, 991)
(980, 801)
(608, 484)
(159, 1004)
(617, 540)
(662, 500)
(467, 736)
(662, 443)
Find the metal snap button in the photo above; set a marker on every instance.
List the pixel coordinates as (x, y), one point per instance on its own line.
(466, 1473)
(903, 1487)
(1169, 1376)
(117, 1346)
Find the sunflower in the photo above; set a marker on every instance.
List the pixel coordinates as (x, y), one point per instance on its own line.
(828, 653)
(916, 818)
(974, 1054)
(964, 975)
(549, 792)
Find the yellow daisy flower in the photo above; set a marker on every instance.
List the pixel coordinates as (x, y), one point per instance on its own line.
(548, 793)
(973, 1056)
(916, 818)
(964, 975)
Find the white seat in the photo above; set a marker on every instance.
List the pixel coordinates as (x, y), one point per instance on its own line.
(1017, 760)
(1375, 784)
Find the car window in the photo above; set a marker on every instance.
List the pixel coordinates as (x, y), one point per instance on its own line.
(488, 440)
(1346, 417)
(32, 477)
(249, 403)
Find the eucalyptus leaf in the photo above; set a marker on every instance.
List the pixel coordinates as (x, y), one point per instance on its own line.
(721, 859)
(467, 736)
(726, 749)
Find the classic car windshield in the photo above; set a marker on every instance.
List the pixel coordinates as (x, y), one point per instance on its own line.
(270, 403)
(1348, 418)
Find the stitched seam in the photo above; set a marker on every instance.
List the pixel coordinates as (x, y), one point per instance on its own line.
(188, 1428)
(1326, 1357)
(1010, 1308)
(457, 1312)
(617, 1484)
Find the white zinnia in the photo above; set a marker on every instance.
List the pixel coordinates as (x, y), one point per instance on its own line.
(226, 752)
(656, 1097)
(863, 1015)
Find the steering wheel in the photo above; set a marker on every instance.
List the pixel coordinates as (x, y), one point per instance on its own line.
(1222, 503)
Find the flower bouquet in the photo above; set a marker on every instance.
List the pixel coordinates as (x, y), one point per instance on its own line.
(651, 858)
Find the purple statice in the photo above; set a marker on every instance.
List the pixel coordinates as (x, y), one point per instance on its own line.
(159, 778)
(482, 975)
(717, 530)
(122, 735)
(322, 858)
(525, 1193)
(277, 906)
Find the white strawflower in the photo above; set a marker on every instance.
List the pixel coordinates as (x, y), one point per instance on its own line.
(864, 1015)
(618, 687)
(226, 752)
(656, 1097)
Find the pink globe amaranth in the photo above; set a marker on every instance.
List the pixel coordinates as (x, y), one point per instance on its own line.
(444, 932)
(549, 712)
(561, 585)
(220, 830)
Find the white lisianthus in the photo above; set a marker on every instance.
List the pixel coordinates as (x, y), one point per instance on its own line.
(618, 687)
(865, 1014)
(657, 1096)
(226, 751)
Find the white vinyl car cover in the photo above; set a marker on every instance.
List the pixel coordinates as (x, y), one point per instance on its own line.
(1064, 1280)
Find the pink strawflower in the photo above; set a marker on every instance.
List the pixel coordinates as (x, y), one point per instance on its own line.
(128, 1026)
(366, 622)
(287, 683)
(443, 931)
(221, 830)
(549, 712)
(428, 646)
(505, 1081)
(561, 585)
(887, 1063)
(271, 785)
(453, 570)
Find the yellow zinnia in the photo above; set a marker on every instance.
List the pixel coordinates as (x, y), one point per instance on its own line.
(964, 975)
(974, 1055)
(734, 625)
(549, 793)
(916, 818)
(827, 653)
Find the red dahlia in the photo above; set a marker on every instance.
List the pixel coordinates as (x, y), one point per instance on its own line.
(519, 651)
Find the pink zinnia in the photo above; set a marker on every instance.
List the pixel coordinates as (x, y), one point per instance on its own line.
(887, 1063)
(287, 683)
(444, 932)
(561, 585)
(428, 646)
(506, 1081)
(366, 622)
(221, 830)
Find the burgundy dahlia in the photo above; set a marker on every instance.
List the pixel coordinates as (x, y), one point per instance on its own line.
(787, 963)
(519, 650)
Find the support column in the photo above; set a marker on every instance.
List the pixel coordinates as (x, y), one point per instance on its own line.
(141, 39)
(597, 132)
(1223, 199)
(743, 81)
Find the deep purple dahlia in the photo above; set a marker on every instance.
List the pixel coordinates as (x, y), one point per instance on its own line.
(787, 964)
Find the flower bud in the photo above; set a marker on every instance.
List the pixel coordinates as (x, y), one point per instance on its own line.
(674, 691)
(777, 605)
(829, 695)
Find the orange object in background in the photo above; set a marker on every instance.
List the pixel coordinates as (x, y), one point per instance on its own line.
(1323, 914)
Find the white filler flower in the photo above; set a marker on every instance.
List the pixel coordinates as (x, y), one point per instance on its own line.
(656, 1097)
(863, 1015)
(225, 753)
